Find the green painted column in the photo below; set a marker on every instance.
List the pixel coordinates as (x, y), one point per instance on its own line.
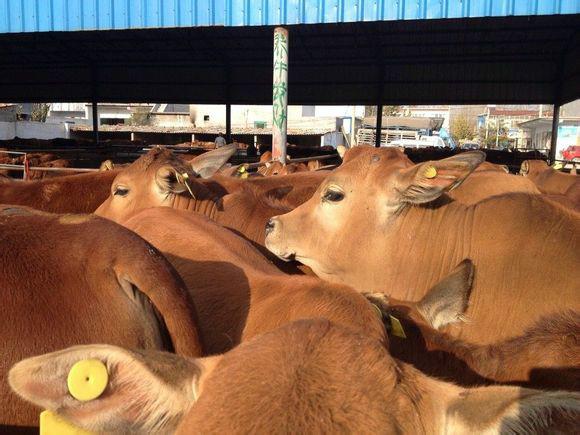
(280, 94)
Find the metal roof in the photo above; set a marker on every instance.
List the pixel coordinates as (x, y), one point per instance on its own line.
(448, 61)
(71, 15)
(366, 53)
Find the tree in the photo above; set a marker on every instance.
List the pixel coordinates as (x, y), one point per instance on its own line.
(461, 128)
(387, 110)
(139, 116)
(494, 135)
(39, 112)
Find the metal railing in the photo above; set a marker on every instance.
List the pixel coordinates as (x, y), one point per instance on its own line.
(25, 168)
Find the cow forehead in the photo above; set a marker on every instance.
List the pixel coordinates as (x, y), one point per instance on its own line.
(372, 164)
(150, 162)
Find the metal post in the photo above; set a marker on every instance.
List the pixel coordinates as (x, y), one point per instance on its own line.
(95, 122)
(554, 141)
(94, 93)
(379, 125)
(228, 123)
(280, 95)
(352, 126)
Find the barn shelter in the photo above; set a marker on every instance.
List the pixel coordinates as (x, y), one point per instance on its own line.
(340, 51)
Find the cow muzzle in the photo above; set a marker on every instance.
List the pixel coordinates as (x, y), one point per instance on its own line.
(271, 225)
(275, 240)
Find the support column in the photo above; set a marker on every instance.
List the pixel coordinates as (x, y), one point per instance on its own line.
(95, 122)
(379, 125)
(380, 89)
(94, 102)
(554, 141)
(352, 126)
(228, 123)
(280, 95)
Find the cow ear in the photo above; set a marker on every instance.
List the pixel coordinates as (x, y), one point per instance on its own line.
(447, 301)
(207, 164)
(427, 181)
(513, 410)
(169, 180)
(105, 388)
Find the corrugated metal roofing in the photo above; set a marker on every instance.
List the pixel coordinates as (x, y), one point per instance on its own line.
(505, 60)
(70, 15)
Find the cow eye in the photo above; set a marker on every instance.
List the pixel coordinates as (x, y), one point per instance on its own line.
(121, 191)
(333, 195)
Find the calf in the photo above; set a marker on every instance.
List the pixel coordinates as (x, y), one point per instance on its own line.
(238, 294)
(546, 355)
(158, 179)
(547, 179)
(310, 376)
(71, 194)
(377, 225)
(77, 279)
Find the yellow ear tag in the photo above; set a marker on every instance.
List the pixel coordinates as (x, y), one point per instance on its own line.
(87, 379)
(52, 424)
(430, 172)
(396, 327)
(244, 175)
(557, 166)
(242, 169)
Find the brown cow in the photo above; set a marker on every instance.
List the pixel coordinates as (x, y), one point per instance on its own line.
(493, 167)
(77, 279)
(277, 168)
(156, 180)
(237, 293)
(558, 186)
(548, 179)
(289, 190)
(377, 232)
(491, 180)
(547, 355)
(311, 376)
(72, 194)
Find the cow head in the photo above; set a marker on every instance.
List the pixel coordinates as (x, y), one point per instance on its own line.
(532, 168)
(308, 376)
(158, 179)
(358, 203)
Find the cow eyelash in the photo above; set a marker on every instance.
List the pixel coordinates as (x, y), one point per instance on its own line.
(121, 191)
(333, 196)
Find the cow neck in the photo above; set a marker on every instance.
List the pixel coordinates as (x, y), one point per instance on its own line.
(482, 359)
(422, 245)
(207, 206)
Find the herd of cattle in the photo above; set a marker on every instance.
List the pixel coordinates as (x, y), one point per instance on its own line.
(382, 296)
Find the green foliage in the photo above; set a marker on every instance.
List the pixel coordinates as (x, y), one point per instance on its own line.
(494, 136)
(387, 110)
(139, 116)
(39, 112)
(461, 128)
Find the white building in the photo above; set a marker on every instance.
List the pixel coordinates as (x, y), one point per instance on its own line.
(434, 111)
(539, 132)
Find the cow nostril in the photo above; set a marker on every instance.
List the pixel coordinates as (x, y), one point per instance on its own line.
(270, 226)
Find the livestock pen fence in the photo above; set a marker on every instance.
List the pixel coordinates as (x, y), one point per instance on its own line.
(26, 168)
